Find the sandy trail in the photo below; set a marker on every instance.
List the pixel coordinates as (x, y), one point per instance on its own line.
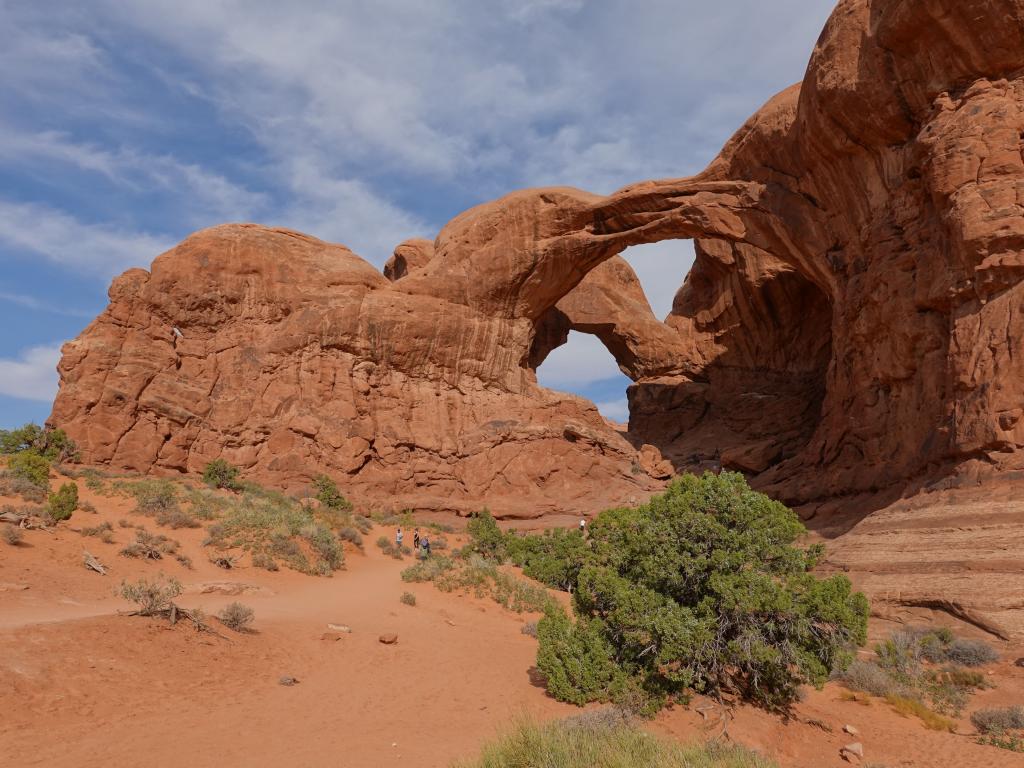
(81, 686)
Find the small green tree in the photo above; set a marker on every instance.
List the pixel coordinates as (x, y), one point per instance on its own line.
(219, 474)
(554, 558)
(329, 495)
(53, 444)
(31, 467)
(702, 588)
(487, 538)
(64, 502)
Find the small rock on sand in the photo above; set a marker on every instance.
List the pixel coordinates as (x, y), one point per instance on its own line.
(852, 730)
(340, 628)
(852, 751)
(288, 680)
(334, 636)
(388, 639)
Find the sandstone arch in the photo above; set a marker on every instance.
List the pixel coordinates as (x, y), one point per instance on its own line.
(850, 323)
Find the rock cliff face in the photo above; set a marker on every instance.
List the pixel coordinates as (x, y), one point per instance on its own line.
(850, 324)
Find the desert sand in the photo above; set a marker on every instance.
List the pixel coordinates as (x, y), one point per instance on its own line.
(81, 685)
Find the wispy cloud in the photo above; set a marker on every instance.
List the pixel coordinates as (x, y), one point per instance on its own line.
(616, 410)
(31, 302)
(210, 192)
(578, 363)
(32, 375)
(63, 239)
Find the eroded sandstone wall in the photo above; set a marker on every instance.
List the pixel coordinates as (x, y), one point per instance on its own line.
(851, 322)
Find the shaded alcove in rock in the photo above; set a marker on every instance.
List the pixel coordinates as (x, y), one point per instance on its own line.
(762, 337)
(591, 343)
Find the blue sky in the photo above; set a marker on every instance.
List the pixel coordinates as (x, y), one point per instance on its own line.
(125, 125)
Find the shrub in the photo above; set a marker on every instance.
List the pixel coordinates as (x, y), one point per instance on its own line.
(98, 530)
(267, 522)
(62, 504)
(869, 677)
(701, 588)
(94, 482)
(998, 720)
(219, 474)
(1010, 742)
(603, 742)
(30, 467)
(364, 524)
(150, 546)
(971, 653)
(350, 534)
(486, 537)
(13, 485)
(407, 598)
(265, 561)
(428, 569)
(52, 444)
(554, 558)
(325, 544)
(12, 534)
(236, 617)
(176, 518)
(529, 629)
(151, 596)
(328, 494)
(389, 547)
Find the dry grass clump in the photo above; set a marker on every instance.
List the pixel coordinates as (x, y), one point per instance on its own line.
(483, 578)
(903, 673)
(913, 707)
(12, 534)
(104, 532)
(150, 546)
(271, 526)
(391, 548)
(998, 720)
(529, 629)
(152, 596)
(352, 535)
(236, 617)
(407, 598)
(599, 744)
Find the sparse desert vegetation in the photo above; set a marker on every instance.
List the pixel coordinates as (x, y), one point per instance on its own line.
(913, 671)
(603, 743)
(237, 617)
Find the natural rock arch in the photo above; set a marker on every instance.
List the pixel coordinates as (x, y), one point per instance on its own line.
(849, 323)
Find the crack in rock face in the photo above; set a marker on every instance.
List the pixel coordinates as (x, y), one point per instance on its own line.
(849, 325)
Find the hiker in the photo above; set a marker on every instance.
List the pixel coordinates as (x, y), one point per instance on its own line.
(416, 539)
(398, 538)
(426, 546)
(583, 525)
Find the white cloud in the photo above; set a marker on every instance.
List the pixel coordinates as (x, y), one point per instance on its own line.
(616, 410)
(211, 194)
(582, 360)
(661, 269)
(31, 302)
(32, 375)
(63, 239)
(348, 212)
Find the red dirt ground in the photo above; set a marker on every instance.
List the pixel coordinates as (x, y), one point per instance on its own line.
(82, 686)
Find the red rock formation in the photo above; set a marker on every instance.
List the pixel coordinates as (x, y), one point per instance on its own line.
(849, 324)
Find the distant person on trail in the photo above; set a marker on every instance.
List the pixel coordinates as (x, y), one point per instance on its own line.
(426, 546)
(583, 525)
(398, 538)
(416, 539)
